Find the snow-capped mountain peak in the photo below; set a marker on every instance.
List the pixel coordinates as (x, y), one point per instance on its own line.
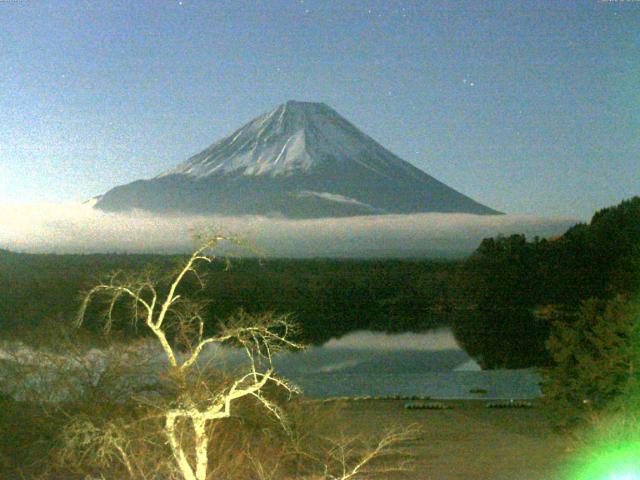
(300, 160)
(293, 138)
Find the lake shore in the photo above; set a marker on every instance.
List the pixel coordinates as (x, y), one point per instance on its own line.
(466, 441)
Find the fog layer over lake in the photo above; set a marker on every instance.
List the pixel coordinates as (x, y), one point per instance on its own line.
(71, 228)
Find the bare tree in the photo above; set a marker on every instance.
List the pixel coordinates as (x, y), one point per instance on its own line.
(352, 458)
(260, 337)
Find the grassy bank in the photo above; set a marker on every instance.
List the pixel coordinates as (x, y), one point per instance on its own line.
(467, 441)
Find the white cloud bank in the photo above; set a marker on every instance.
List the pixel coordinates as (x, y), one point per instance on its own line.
(72, 228)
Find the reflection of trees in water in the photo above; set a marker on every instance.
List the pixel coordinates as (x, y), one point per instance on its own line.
(502, 338)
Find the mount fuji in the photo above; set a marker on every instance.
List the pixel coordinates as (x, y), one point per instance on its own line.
(301, 160)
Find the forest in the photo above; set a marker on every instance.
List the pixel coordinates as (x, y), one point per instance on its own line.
(495, 300)
(516, 289)
(327, 298)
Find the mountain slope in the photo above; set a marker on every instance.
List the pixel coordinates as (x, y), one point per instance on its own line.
(301, 160)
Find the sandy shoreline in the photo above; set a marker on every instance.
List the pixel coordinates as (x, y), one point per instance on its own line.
(466, 442)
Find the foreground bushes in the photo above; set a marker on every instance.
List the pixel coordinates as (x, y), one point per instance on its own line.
(112, 439)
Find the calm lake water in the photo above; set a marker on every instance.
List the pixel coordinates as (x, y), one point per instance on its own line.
(377, 364)
(359, 364)
(498, 384)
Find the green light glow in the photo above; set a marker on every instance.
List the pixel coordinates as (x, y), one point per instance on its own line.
(630, 475)
(616, 462)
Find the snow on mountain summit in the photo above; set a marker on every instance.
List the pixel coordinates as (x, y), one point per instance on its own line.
(293, 138)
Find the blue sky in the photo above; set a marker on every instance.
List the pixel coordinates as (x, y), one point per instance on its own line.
(529, 107)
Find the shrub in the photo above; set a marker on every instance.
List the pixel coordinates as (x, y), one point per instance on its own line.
(596, 359)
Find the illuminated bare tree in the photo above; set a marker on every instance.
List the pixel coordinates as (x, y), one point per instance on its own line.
(260, 337)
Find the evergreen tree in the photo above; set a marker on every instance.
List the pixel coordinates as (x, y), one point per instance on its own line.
(596, 358)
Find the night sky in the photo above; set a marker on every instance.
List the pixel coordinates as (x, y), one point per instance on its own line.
(529, 107)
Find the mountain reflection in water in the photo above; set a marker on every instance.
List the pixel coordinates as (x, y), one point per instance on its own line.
(409, 364)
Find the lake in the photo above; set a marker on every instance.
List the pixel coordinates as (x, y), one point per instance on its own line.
(377, 364)
(358, 364)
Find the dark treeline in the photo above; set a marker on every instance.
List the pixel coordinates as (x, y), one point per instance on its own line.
(326, 297)
(510, 283)
(494, 300)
